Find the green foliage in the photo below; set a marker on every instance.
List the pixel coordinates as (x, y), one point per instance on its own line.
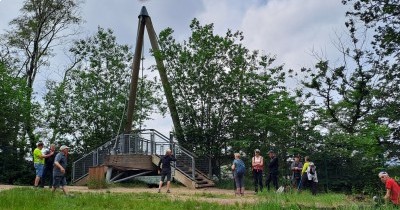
(215, 81)
(12, 115)
(89, 103)
(31, 39)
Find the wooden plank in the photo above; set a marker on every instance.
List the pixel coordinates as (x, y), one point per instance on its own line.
(130, 162)
(97, 173)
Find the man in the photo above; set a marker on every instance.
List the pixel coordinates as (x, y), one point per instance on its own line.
(273, 170)
(60, 165)
(165, 171)
(38, 162)
(296, 168)
(48, 165)
(392, 188)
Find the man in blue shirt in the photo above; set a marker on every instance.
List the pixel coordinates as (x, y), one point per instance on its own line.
(60, 165)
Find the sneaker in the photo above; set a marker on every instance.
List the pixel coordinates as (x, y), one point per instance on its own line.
(168, 191)
(159, 190)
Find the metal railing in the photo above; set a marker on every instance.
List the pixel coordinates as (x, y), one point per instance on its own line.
(147, 142)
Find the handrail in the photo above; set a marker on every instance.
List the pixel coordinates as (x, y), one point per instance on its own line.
(137, 142)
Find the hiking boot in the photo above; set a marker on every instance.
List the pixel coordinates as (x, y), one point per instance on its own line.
(159, 190)
(168, 191)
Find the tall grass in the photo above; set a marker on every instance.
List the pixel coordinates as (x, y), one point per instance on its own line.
(28, 198)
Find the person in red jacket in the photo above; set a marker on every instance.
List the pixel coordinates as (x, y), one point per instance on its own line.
(392, 188)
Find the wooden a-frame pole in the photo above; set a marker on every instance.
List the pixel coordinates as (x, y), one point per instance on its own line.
(144, 20)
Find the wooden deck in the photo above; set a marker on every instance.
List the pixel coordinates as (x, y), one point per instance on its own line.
(130, 162)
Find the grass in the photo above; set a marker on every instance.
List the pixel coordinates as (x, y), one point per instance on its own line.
(28, 198)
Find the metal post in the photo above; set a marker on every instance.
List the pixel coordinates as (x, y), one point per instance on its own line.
(193, 169)
(152, 143)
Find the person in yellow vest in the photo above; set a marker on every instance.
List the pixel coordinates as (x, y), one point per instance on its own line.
(38, 162)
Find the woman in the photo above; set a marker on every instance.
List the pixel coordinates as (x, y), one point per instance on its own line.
(257, 163)
(239, 170)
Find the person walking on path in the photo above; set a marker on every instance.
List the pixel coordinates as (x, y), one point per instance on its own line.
(165, 170)
(257, 164)
(38, 162)
(272, 170)
(392, 188)
(60, 166)
(48, 166)
(296, 168)
(239, 169)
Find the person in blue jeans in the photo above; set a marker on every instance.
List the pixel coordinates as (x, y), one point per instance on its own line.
(165, 171)
(239, 170)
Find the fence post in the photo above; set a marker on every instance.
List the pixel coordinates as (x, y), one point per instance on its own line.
(152, 143)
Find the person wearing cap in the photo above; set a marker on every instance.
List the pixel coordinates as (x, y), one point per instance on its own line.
(257, 164)
(392, 188)
(60, 165)
(272, 170)
(296, 168)
(38, 162)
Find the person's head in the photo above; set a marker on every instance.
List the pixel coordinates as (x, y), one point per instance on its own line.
(40, 145)
(383, 176)
(307, 159)
(168, 152)
(271, 154)
(52, 147)
(64, 149)
(297, 159)
(237, 155)
(257, 152)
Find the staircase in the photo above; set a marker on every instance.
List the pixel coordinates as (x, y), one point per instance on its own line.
(184, 174)
(146, 142)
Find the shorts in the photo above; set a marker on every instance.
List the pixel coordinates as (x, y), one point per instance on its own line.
(165, 173)
(59, 181)
(39, 169)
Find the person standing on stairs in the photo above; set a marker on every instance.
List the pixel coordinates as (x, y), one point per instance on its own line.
(165, 170)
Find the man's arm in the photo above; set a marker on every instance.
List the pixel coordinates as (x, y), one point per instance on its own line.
(387, 196)
(58, 165)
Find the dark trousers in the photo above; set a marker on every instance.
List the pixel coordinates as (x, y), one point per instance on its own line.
(274, 178)
(257, 176)
(305, 183)
(47, 174)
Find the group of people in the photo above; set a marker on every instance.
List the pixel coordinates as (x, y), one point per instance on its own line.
(49, 164)
(303, 175)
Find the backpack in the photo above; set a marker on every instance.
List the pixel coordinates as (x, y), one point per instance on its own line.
(311, 168)
(240, 167)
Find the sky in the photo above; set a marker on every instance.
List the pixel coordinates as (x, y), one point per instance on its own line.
(289, 29)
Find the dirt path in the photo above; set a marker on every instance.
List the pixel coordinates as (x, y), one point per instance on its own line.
(180, 193)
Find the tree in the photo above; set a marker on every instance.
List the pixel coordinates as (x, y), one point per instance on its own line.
(383, 17)
(215, 81)
(33, 35)
(89, 104)
(12, 114)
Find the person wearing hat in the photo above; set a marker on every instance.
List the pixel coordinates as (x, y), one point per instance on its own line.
(272, 170)
(257, 164)
(60, 165)
(392, 188)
